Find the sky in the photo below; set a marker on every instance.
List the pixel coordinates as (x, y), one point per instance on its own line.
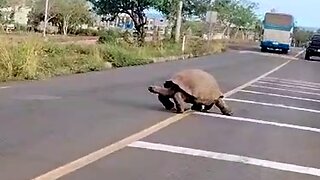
(305, 12)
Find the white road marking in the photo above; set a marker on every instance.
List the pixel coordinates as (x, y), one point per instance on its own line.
(5, 87)
(289, 86)
(289, 90)
(273, 105)
(304, 128)
(37, 97)
(269, 55)
(301, 52)
(94, 156)
(293, 80)
(227, 157)
(289, 83)
(279, 95)
(255, 80)
(103, 152)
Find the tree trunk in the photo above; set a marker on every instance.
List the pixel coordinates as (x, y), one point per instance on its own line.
(243, 34)
(228, 31)
(236, 34)
(173, 30)
(65, 27)
(141, 35)
(224, 31)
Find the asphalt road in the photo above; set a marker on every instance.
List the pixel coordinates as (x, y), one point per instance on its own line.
(46, 124)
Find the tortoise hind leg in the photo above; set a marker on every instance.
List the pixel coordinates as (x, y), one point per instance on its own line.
(207, 107)
(223, 107)
(179, 102)
(196, 107)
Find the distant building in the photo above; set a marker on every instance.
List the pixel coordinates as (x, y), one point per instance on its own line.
(124, 22)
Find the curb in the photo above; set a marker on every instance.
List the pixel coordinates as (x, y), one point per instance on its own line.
(182, 57)
(108, 65)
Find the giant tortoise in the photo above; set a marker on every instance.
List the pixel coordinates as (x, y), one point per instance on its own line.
(193, 86)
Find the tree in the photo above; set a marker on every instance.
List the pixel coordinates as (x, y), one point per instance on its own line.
(246, 19)
(197, 8)
(135, 9)
(236, 12)
(301, 36)
(7, 16)
(190, 8)
(66, 14)
(2, 4)
(72, 13)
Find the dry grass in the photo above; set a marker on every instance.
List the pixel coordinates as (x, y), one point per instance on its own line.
(30, 57)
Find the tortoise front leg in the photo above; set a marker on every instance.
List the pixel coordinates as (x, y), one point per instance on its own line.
(166, 102)
(223, 107)
(179, 102)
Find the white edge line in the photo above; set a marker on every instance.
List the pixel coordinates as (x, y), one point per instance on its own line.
(289, 90)
(291, 126)
(269, 55)
(297, 55)
(289, 86)
(96, 155)
(227, 157)
(5, 87)
(279, 95)
(273, 105)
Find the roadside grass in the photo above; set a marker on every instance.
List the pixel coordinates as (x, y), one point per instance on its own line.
(32, 58)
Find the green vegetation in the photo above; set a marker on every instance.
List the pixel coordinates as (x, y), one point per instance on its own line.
(67, 15)
(134, 9)
(33, 58)
(26, 55)
(302, 36)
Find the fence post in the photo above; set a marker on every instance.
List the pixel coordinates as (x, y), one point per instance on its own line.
(183, 43)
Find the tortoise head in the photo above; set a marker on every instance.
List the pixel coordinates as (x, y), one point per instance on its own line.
(168, 84)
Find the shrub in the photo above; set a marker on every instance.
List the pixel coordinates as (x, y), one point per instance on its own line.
(71, 59)
(20, 61)
(37, 59)
(198, 47)
(109, 36)
(87, 32)
(20, 27)
(31, 58)
(121, 56)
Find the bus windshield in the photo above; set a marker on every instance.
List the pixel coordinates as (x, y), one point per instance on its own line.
(278, 19)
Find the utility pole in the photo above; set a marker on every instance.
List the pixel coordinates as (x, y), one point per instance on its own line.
(45, 18)
(210, 20)
(178, 25)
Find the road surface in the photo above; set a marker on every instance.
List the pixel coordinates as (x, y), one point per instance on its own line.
(62, 128)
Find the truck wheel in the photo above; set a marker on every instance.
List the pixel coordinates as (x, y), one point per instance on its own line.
(263, 49)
